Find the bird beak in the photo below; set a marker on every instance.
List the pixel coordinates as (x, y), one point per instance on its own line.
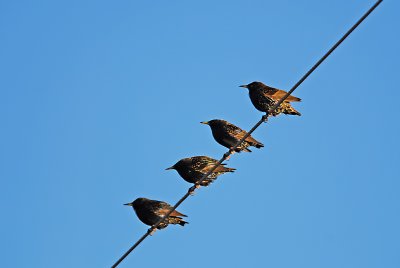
(205, 122)
(245, 86)
(128, 204)
(170, 168)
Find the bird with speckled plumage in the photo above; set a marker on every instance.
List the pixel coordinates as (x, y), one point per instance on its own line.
(229, 135)
(151, 211)
(265, 97)
(192, 169)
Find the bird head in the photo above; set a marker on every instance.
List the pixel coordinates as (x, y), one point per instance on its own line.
(176, 166)
(253, 85)
(214, 122)
(180, 164)
(137, 202)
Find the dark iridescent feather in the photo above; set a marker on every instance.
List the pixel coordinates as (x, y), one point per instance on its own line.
(151, 211)
(229, 135)
(264, 98)
(192, 169)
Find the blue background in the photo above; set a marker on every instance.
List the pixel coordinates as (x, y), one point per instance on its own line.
(99, 97)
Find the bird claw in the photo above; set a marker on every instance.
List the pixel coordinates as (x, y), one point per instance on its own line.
(265, 118)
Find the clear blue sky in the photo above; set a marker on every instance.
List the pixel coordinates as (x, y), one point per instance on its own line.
(98, 97)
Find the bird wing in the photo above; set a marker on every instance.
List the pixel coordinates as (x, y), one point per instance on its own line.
(201, 162)
(164, 210)
(277, 94)
(280, 93)
(235, 131)
(239, 133)
(204, 164)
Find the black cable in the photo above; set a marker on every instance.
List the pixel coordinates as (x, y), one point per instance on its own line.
(263, 119)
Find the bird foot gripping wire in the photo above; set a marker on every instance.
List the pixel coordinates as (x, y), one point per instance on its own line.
(228, 154)
(151, 230)
(265, 118)
(193, 188)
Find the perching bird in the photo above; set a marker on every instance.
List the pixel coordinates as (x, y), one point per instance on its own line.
(264, 98)
(229, 135)
(151, 211)
(194, 168)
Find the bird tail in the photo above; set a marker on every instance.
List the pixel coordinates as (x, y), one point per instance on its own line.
(223, 169)
(227, 169)
(182, 222)
(254, 142)
(259, 145)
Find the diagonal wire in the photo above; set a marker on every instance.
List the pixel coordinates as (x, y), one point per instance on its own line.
(263, 119)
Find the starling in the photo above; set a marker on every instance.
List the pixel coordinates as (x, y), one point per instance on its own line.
(194, 168)
(151, 211)
(229, 135)
(264, 98)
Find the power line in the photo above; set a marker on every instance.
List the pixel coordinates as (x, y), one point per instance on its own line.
(263, 119)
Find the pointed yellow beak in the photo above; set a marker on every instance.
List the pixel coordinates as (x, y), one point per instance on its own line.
(204, 122)
(128, 204)
(245, 86)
